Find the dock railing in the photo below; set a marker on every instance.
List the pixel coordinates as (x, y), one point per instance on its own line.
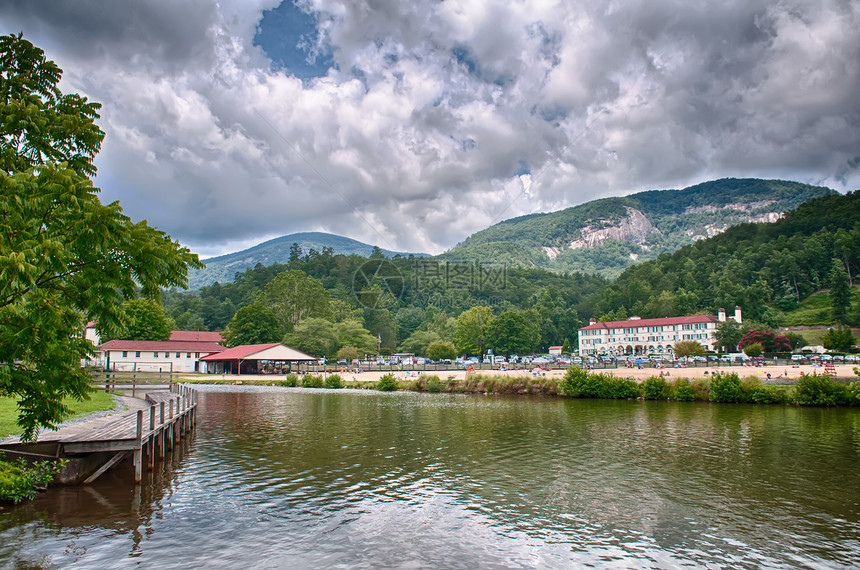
(135, 381)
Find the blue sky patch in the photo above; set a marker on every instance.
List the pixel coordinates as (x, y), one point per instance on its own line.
(289, 37)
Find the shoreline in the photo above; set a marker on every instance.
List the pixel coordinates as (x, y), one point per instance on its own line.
(779, 374)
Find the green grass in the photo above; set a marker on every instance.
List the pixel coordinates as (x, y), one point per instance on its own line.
(815, 310)
(9, 410)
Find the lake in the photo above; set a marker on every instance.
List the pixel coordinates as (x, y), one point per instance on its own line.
(301, 478)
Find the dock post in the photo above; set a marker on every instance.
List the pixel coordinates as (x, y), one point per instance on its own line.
(151, 438)
(138, 452)
(170, 425)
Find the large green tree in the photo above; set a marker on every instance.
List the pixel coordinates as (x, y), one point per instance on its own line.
(254, 324)
(728, 334)
(315, 336)
(144, 319)
(65, 258)
(840, 291)
(292, 296)
(514, 332)
(471, 334)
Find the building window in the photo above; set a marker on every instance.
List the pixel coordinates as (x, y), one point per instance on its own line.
(124, 353)
(155, 355)
(177, 355)
(137, 354)
(196, 355)
(187, 355)
(166, 355)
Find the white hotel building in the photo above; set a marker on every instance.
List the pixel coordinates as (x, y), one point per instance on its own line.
(650, 336)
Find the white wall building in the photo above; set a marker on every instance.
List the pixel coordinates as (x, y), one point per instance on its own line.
(650, 336)
(156, 355)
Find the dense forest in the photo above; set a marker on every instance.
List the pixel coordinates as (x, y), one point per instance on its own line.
(768, 269)
(408, 303)
(405, 303)
(677, 218)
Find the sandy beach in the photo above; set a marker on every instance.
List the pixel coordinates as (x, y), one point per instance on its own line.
(788, 373)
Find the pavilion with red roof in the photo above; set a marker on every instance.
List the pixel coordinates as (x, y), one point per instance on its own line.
(254, 359)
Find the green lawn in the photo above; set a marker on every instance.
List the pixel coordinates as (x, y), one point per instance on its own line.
(815, 310)
(9, 412)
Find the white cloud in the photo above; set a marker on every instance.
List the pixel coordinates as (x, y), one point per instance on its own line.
(421, 134)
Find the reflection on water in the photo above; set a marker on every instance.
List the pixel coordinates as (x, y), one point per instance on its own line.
(310, 478)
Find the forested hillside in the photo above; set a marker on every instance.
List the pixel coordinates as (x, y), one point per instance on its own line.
(321, 301)
(606, 236)
(764, 268)
(279, 250)
(408, 303)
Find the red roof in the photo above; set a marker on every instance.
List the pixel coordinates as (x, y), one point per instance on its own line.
(244, 350)
(196, 336)
(162, 345)
(666, 321)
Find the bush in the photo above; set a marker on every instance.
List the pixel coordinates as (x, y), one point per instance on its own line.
(655, 388)
(574, 383)
(854, 393)
(726, 388)
(682, 391)
(387, 383)
(289, 381)
(579, 383)
(432, 384)
(769, 395)
(814, 390)
(19, 482)
(701, 389)
(333, 381)
(312, 381)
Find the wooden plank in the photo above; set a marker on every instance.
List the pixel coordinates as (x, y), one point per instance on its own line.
(113, 461)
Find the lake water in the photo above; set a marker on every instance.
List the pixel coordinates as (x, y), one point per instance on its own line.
(296, 478)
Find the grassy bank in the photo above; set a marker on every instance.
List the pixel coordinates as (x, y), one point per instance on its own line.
(9, 410)
(810, 390)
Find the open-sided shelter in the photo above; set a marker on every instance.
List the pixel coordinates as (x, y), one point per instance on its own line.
(255, 359)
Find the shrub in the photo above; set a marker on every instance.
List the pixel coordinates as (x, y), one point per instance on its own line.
(769, 395)
(701, 388)
(619, 388)
(289, 381)
(19, 481)
(682, 391)
(655, 388)
(754, 349)
(726, 388)
(433, 384)
(854, 393)
(333, 381)
(579, 383)
(312, 381)
(387, 383)
(574, 383)
(814, 390)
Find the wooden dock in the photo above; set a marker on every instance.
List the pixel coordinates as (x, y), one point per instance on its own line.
(144, 433)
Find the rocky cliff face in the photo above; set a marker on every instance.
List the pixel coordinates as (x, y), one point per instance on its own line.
(634, 227)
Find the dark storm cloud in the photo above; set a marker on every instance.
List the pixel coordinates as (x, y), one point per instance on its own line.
(419, 133)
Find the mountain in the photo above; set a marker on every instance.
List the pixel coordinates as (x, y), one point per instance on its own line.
(608, 235)
(769, 270)
(223, 268)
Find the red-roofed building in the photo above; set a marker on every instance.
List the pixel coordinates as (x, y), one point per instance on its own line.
(197, 336)
(254, 359)
(148, 355)
(650, 336)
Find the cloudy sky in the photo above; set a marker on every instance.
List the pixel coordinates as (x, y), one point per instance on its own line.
(412, 124)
